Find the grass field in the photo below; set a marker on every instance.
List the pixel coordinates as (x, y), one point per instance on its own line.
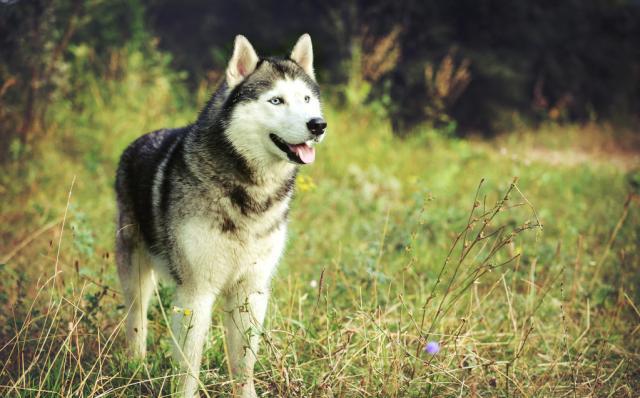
(530, 285)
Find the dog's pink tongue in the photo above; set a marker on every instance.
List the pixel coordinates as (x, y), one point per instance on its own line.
(306, 153)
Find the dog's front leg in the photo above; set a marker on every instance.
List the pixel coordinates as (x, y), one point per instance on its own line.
(191, 321)
(245, 308)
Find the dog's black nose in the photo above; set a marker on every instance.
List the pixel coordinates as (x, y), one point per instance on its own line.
(317, 125)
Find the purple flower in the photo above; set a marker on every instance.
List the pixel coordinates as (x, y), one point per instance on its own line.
(432, 347)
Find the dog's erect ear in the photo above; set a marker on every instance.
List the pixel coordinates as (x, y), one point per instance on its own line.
(243, 61)
(302, 54)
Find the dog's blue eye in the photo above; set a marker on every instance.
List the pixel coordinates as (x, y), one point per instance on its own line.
(276, 101)
(307, 98)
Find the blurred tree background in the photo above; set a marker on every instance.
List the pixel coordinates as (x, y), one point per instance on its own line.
(466, 67)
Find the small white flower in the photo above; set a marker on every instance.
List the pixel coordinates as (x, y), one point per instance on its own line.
(313, 283)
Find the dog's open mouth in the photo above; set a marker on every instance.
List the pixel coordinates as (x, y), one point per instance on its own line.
(299, 153)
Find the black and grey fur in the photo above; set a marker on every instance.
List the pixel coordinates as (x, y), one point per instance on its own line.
(206, 206)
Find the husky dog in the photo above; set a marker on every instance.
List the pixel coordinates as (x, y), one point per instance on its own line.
(206, 206)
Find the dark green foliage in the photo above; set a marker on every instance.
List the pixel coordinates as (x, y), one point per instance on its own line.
(575, 60)
(38, 39)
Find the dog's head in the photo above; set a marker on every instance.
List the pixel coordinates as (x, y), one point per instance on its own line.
(274, 104)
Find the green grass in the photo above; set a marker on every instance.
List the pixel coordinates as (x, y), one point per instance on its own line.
(388, 249)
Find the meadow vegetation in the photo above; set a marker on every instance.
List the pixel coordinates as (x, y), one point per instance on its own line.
(516, 255)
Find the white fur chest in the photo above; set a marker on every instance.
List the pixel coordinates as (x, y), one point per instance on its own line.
(217, 259)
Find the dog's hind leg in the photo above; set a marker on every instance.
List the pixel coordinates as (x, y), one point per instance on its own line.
(135, 272)
(191, 321)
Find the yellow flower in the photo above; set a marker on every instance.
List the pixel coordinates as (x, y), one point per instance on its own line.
(185, 311)
(305, 183)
